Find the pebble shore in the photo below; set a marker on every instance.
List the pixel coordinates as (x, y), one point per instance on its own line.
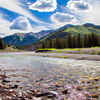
(87, 88)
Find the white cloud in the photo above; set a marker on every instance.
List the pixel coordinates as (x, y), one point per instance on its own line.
(87, 11)
(20, 23)
(78, 5)
(38, 28)
(4, 28)
(44, 5)
(2, 20)
(94, 15)
(61, 19)
(16, 6)
(17, 26)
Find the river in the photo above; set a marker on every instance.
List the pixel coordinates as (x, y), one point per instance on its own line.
(24, 69)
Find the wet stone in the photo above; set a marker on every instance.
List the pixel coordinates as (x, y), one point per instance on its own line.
(39, 94)
(51, 94)
(95, 96)
(5, 81)
(65, 91)
(14, 87)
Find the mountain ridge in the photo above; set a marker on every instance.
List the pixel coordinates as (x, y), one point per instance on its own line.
(31, 38)
(23, 39)
(62, 32)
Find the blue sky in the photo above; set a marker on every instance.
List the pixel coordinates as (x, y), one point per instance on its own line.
(24, 16)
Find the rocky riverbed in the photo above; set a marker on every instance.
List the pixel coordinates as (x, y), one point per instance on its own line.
(27, 77)
(87, 88)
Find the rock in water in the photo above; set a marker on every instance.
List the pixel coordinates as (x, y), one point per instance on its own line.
(51, 94)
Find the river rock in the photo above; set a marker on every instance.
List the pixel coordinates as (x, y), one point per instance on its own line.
(1, 98)
(5, 81)
(51, 94)
(65, 91)
(95, 96)
(39, 94)
(34, 98)
(14, 87)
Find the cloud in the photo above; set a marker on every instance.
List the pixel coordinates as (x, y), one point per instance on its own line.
(44, 5)
(4, 28)
(78, 5)
(20, 23)
(17, 7)
(86, 13)
(92, 16)
(60, 19)
(17, 26)
(2, 20)
(38, 28)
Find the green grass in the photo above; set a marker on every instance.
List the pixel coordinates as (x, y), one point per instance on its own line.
(82, 30)
(98, 52)
(77, 49)
(64, 57)
(95, 47)
(47, 49)
(78, 29)
(69, 49)
(10, 49)
(92, 53)
(80, 52)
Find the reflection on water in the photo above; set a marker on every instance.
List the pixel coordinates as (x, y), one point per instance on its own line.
(27, 68)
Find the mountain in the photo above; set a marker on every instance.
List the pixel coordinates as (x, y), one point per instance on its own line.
(20, 39)
(25, 38)
(73, 29)
(30, 38)
(92, 25)
(43, 33)
(65, 26)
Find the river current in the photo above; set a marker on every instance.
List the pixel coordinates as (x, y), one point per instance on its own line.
(25, 69)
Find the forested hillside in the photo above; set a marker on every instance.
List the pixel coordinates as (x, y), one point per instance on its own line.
(72, 41)
(73, 29)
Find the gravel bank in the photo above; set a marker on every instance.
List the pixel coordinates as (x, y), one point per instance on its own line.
(71, 56)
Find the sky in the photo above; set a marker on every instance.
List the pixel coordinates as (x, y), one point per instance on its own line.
(22, 16)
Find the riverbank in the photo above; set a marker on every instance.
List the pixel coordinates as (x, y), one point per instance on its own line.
(59, 55)
(69, 56)
(78, 54)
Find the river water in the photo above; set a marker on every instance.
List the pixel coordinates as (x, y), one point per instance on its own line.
(24, 69)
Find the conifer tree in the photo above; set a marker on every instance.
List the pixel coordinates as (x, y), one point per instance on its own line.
(2, 45)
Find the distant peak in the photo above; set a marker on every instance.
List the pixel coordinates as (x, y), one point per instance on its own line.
(91, 25)
(19, 34)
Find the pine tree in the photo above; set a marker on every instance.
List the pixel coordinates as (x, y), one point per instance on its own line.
(69, 41)
(78, 41)
(2, 45)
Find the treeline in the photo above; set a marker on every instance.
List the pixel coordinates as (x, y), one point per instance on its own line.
(72, 41)
(2, 44)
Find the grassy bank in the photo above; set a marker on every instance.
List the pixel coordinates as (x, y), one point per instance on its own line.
(10, 50)
(91, 51)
